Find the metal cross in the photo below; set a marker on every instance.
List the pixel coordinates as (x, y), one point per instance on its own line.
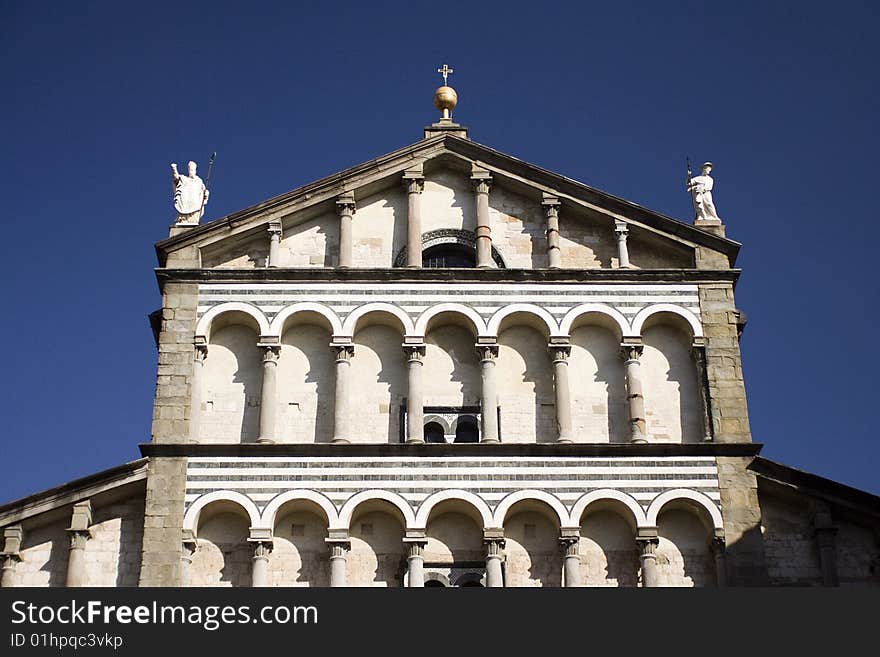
(445, 71)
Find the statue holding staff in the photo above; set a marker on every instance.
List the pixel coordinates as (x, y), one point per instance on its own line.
(700, 188)
(190, 194)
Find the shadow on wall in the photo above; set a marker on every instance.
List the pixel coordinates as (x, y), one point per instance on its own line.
(131, 538)
(531, 347)
(384, 342)
(608, 383)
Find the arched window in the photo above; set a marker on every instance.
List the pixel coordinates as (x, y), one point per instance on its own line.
(466, 430)
(444, 256)
(434, 433)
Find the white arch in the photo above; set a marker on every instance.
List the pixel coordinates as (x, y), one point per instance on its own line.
(191, 519)
(347, 510)
(267, 520)
(584, 501)
(645, 313)
(453, 494)
(600, 308)
(662, 499)
(350, 323)
(528, 308)
(538, 495)
(204, 325)
(277, 325)
(460, 309)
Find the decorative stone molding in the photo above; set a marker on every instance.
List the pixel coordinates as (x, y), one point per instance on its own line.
(448, 236)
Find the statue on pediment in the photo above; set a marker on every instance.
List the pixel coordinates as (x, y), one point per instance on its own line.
(700, 188)
(190, 194)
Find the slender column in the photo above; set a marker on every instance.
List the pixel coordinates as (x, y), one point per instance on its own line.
(260, 564)
(569, 539)
(274, 244)
(551, 210)
(825, 533)
(338, 549)
(648, 558)
(416, 562)
(345, 206)
(699, 354)
(631, 353)
(482, 181)
(188, 551)
(560, 353)
(718, 549)
(415, 430)
(621, 231)
(414, 183)
(11, 555)
(79, 534)
(341, 416)
(489, 405)
(494, 555)
(269, 394)
(200, 353)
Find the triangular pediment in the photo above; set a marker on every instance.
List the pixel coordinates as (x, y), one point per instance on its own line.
(309, 220)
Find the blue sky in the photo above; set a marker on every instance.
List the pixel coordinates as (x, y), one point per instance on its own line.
(100, 97)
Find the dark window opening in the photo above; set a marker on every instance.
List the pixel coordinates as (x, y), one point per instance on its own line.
(445, 256)
(434, 433)
(434, 582)
(466, 431)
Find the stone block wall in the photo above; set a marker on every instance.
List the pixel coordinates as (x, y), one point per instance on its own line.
(113, 554)
(163, 520)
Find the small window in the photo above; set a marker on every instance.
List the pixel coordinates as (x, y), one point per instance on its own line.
(466, 431)
(445, 256)
(434, 433)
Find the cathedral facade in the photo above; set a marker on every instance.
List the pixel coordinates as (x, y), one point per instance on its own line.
(446, 367)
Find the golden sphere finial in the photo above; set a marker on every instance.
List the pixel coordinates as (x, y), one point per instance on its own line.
(445, 99)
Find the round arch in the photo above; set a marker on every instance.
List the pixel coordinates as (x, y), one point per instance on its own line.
(612, 314)
(477, 502)
(347, 510)
(527, 308)
(203, 327)
(477, 322)
(696, 497)
(191, 518)
(267, 519)
(608, 494)
(544, 497)
(349, 326)
(277, 326)
(640, 318)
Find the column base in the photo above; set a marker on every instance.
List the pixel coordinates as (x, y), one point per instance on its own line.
(639, 441)
(340, 441)
(564, 441)
(490, 442)
(416, 441)
(265, 441)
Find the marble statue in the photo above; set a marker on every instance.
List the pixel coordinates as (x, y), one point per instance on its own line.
(190, 194)
(700, 188)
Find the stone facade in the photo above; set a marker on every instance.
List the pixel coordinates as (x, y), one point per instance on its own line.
(560, 403)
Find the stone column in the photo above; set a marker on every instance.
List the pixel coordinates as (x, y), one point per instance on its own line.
(569, 539)
(621, 231)
(269, 394)
(630, 353)
(489, 402)
(339, 546)
(718, 549)
(551, 210)
(260, 564)
(189, 546)
(274, 244)
(79, 535)
(415, 430)
(414, 183)
(826, 533)
(11, 554)
(482, 181)
(494, 542)
(647, 541)
(416, 562)
(699, 353)
(345, 207)
(560, 353)
(341, 417)
(195, 413)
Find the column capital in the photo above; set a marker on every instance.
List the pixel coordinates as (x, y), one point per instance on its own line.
(621, 229)
(271, 352)
(631, 352)
(416, 548)
(559, 352)
(12, 538)
(569, 545)
(262, 549)
(78, 538)
(338, 546)
(344, 352)
(487, 352)
(718, 545)
(413, 182)
(345, 204)
(274, 229)
(550, 204)
(414, 352)
(200, 352)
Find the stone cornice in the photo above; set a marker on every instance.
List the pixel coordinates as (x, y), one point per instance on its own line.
(468, 450)
(430, 275)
